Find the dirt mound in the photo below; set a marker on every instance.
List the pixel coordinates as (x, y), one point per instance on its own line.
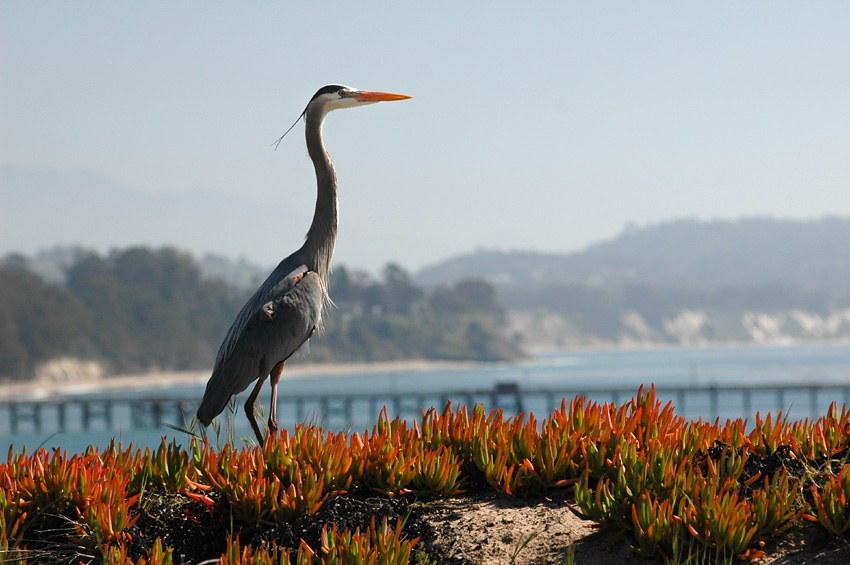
(471, 529)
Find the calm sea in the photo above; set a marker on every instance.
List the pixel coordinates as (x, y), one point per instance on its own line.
(617, 373)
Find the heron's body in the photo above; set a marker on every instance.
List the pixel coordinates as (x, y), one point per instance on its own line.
(287, 308)
(281, 315)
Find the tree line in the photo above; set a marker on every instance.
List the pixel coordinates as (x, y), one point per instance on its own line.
(141, 309)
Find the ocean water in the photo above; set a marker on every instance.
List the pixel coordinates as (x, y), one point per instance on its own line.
(704, 381)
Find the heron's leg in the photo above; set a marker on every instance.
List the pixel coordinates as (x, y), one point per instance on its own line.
(273, 379)
(249, 408)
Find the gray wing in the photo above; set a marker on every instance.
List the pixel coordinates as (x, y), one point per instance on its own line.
(280, 280)
(266, 333)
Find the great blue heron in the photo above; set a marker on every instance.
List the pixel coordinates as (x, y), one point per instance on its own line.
(285, 311)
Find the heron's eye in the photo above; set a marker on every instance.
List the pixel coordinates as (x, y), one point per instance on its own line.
(342, 93)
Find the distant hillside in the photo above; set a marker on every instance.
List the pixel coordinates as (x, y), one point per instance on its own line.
(144, 309)
(678, 254)
(52, 264)
(771, 282)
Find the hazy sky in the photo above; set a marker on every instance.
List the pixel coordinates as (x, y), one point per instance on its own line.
(539, 126)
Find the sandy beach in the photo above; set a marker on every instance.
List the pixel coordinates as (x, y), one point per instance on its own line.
(37, 389)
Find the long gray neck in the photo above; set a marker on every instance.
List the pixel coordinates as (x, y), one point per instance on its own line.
(319, 244)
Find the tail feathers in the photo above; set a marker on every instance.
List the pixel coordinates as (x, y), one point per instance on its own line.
(209, 409)
(226, 381)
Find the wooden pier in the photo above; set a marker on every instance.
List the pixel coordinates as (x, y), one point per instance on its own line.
(93, 413)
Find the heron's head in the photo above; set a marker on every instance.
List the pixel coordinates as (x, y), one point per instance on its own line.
(335, 96)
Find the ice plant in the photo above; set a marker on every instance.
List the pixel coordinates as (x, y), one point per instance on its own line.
(437, 473)
(379, 546)
(828, 437)
(10, 528)
(775, 505)
(158, 555)
(449, 428)
(386, 460)
(657, 526)
(593, 503)
(718, 517)
(105, 515)
(169, 468)
(328, 454)
(266, 555)
(256, 494)
(635, 468)
(493, 452)
(832, 504)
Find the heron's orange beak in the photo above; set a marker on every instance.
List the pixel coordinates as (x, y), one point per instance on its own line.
(368, 96)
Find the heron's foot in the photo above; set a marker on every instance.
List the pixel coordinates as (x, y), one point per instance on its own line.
(268, 310)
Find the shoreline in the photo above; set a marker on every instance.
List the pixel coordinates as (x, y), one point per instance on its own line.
(43, 389)
(46, 389)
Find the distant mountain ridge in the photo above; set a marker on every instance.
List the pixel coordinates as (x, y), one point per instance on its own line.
(685, 282)
(809, 254)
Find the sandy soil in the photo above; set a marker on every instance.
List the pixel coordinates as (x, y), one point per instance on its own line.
(480, 528)
(488, 529)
